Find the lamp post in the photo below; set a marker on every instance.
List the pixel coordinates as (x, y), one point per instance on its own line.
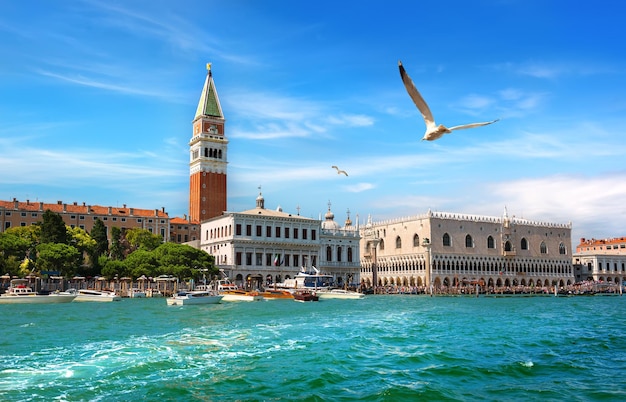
(429, 266)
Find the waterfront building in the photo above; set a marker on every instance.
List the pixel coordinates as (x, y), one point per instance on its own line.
(183, 230)
(448, 250)
(208, 156)
(601, 260)
(260, 246)
(25, 213)
(339, 253)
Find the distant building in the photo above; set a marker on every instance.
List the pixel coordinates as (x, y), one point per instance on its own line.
(261, 246)
(25, 213)
(601, 260)
(183, 230)
(447, 250)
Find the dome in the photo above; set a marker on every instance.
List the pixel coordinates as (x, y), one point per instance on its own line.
(329, 223)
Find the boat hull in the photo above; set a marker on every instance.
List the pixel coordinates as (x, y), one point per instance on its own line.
(193, 300)
(339, 294)
(37, 299)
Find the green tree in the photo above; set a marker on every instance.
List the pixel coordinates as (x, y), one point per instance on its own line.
(114, 268)
(53, 228)
(141, 262)
(184, 261)
(142, 239)
(99, 235)
(117, 249)
(13, 245)
(58, 257)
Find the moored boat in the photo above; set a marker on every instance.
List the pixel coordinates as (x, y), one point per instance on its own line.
(184, 298)
(136, 293)
(20, 292)
(305, 295)
(276, 294)
(241, 295)
(339, 294)
(86, 295)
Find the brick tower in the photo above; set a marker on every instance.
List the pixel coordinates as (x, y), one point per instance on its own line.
(207, 151)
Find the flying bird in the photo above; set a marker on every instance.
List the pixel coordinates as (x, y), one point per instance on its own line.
(433, 131)
(339, 171)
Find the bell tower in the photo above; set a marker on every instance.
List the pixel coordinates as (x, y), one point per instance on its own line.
(207, 150)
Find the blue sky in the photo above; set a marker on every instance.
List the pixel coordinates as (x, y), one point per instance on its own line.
(97, 99)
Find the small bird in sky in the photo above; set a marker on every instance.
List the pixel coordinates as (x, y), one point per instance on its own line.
(433, 131)
(339, 171)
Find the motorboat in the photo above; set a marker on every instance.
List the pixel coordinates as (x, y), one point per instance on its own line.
(86, 295)
(184, 298)
(241, 295)
(272, 294)
(153, 293)
(19, 291)
(136, 293)
(305, 295)
(313, 280)
(339, 294)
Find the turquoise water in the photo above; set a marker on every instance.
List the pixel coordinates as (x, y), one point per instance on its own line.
(382, 348)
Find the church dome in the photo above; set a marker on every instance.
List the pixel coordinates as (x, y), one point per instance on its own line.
(329, 223)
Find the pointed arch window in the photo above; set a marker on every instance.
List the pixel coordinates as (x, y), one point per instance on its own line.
(381, 245)
(446, 240)
(469, 242)
(416, 240)
(490, 242)
(398, 242)
(524, 244)
(562, 249)
(543, 249)
(507, 246)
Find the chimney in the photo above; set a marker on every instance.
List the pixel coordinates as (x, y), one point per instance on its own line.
(41, 206)
(156, 212)
(132, 211)
(64, 207)
(110, 210)
(16, 203)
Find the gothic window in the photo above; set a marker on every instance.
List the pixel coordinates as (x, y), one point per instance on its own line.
(381, 245)
(416, 240)
(398, 242)
(562, 250)
(446, 240)
(543, 249)
(507, 246)
(490, 242)
(524, 244)
(469, 242)
(329, 254)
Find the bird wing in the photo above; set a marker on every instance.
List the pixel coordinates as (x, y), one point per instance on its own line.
(472, 125)
(344, 172)
(335, 167)
(416, 97)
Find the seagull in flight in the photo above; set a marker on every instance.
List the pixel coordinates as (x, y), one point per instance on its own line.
(339, 171)
(433, 131)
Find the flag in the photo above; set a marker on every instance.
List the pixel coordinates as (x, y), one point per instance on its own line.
(282, 260)
(276, 260)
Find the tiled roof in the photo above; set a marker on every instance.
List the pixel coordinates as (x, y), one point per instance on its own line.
(182, 221)
(209, 104)
(60, 207)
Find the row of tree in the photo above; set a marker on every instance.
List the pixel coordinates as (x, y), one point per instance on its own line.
(51, 247)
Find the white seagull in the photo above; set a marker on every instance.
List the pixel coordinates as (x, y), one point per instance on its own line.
(433, 131)
(339, 171)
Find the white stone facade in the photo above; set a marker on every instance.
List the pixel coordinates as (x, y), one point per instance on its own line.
(446, 250)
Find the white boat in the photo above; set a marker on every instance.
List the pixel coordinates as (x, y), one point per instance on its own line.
(86, 295)
(339, 294)
(309, 280)
(136, 293)
(194, 297)
(20, 292)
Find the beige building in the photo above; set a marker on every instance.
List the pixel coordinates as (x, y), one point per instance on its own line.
(261, 246)
(447, 250)
(601, 260)
(25, 213)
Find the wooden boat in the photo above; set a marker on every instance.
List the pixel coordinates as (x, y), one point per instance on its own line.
(241, 295)
(276, 294)
(305, 295)
(339, 294)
